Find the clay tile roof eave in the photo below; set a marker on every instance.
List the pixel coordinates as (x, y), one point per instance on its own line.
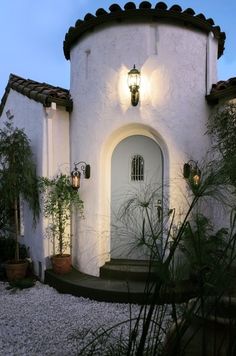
(117, 14)
(39, 92)
(67, 103)
(4, 98)
(227, 93)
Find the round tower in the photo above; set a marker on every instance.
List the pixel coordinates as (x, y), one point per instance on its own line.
(130, 146)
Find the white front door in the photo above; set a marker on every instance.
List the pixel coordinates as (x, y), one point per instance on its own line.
(136, 195)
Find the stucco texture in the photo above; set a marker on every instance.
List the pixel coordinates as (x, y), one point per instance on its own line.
(177, 67)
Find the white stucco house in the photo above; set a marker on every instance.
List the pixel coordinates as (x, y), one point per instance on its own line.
(176, 52)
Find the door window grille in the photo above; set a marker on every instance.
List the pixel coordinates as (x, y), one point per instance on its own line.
(137, 168)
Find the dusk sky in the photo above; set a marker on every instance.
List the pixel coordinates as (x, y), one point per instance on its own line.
(32, 34)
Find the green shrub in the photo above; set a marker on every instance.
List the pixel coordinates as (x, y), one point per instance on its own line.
(7, 249)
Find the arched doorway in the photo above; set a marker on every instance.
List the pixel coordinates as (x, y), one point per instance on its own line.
(136, 184)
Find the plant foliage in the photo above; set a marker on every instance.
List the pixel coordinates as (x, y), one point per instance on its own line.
(18, 177)
(207, 254)
(58, 199)
(222, 127)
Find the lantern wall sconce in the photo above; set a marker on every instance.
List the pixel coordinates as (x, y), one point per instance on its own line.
(134, 83)
(76, 174)
(192, 171)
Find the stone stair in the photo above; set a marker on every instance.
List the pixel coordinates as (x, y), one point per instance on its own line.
(128, 270)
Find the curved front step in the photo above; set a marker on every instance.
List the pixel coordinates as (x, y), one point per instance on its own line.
(129, 270)
(83, 285)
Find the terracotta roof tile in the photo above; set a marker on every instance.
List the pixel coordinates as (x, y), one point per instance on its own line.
(224, 89)
(143, 11)
(40, 92)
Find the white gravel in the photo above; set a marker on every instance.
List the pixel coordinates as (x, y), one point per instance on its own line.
(39, 321)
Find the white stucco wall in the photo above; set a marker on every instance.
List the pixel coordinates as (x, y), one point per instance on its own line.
(48, 130)
(177, 67)
(28, 115)
(56, 158)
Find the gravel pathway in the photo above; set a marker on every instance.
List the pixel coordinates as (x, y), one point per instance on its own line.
(39, 321)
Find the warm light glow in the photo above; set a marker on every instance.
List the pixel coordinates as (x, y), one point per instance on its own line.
(133, 82)
(76, 174)
(75, 179)
(133, 78)
(154, 90)
(124, 91)
(160, 87)
(145, 90)
(192, 172)
(196, 179)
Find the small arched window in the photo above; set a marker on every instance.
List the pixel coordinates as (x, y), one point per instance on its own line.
(137, 168)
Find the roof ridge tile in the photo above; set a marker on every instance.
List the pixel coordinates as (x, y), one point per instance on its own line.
(144, 10)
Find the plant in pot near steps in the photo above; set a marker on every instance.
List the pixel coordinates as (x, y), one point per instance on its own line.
(18, 180)
(59, 198)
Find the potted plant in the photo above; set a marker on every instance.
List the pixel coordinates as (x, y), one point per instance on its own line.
(18, 180)
(59, 198)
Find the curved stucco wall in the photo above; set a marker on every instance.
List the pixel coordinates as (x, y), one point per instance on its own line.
(177, 67)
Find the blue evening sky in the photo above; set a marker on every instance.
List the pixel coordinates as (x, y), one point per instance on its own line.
(32, 34)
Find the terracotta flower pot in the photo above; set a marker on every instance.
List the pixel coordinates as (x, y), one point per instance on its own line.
(61, 264)
(16, 269)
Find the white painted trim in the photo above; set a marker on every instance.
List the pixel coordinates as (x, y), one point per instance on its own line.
(50, 114)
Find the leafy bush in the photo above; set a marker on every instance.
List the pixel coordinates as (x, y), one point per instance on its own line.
(59, 198)
(18, 177)
(7, 249)
(23, 283)
(222, 127)
(209, 254)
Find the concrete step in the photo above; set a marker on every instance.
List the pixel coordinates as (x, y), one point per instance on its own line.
(128, 270)
(96, 288)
